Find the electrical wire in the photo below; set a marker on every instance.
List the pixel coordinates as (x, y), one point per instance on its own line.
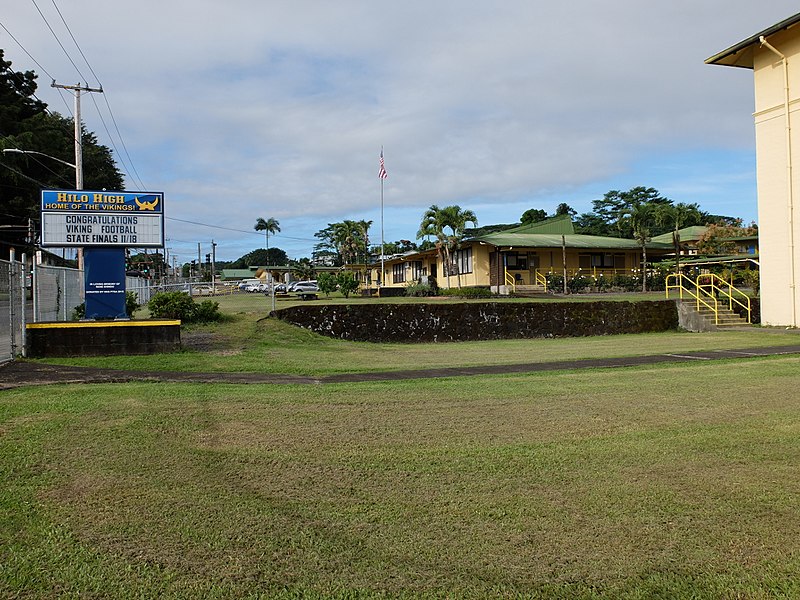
(25, 50)
(128, 167)
(97, 79)
(114, 145)
(58, 40)
(258, 233)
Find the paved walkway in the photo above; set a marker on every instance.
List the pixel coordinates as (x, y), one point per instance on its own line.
(19, 373)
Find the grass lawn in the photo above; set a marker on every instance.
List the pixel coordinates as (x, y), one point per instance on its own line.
(250, 342)
(674, 481)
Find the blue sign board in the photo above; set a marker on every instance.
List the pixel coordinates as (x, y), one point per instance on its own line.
(104, 283)
(81, 218)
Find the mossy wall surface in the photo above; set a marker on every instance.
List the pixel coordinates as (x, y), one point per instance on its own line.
(65, 339)
(481, 321)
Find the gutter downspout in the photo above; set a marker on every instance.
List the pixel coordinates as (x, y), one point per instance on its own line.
(789, 183)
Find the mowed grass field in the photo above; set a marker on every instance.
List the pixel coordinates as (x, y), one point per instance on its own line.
(670, 481)
(248, 341)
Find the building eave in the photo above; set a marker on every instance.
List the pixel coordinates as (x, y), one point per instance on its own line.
(742, 54)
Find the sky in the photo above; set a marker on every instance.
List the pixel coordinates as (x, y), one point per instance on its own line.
(269, 108)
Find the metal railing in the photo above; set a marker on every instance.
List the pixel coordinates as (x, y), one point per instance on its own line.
(715, 285)
(706, 291)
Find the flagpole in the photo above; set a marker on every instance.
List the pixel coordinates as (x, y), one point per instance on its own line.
(382, 176)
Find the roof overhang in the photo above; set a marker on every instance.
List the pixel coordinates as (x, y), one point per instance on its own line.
(742, 54)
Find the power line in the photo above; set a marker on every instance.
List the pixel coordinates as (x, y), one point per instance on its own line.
(258, 233)
(97, 79)
(128, 167)
(25, 50)
(46, 22)
(111, 137)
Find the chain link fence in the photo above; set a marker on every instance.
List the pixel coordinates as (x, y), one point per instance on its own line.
(50, 293)
(57, 292)
(14, 304)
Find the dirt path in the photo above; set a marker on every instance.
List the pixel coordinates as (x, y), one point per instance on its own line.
(21, 373)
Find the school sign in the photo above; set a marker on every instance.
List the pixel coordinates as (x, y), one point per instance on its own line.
(112, 219)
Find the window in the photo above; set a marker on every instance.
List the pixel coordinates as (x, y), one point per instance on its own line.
(601, 261)
(417, 271)
(463, 260)
(399, 273)
(516, 261)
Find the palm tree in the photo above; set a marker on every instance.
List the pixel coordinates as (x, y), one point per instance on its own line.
(678, 215)
(267, 226)
(435, 221)
(642, 217)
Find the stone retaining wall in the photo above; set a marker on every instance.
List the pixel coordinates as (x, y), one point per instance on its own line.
(481, 321)
(102, 338)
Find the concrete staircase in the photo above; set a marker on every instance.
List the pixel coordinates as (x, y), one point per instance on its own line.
(703, 319)
(529, 291)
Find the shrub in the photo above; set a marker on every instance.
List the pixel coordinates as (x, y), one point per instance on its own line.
(555, 283)
(131, 306)
(603, 283)
(467, 292)
(347, 283)
(179, 305)
(420, 289)
(206, 311)
(578, 283)
(327, 283)
(627, 283)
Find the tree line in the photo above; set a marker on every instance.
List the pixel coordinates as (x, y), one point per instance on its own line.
(27, 124)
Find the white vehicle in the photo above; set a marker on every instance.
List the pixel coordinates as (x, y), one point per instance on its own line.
(249, 285)
(305, 286)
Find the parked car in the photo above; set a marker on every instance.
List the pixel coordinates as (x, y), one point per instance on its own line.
(202, 290)
(249, 285)
(305, 286)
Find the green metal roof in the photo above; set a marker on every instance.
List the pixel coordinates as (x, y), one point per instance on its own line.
(562, 224)
(238, 273)
(718, 260)
(574, 240)
(688, 234)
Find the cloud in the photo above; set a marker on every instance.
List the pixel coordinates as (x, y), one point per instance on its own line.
(245, 109)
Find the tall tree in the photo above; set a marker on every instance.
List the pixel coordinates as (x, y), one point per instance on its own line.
(533, 215)
(615, 206)
(267, 226)
(303, 269)
(435, 222)
(678, 216)
(349, 238)
(565, 209)
(719, 238)
(642, 217)
(25, 124)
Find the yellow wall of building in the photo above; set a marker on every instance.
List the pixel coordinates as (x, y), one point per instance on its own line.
(550, 260)
(779, 230)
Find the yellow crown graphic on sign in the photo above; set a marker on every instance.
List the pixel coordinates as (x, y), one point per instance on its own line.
(146, 205)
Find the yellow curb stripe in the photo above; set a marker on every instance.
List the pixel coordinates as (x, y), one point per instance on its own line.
(79, 324)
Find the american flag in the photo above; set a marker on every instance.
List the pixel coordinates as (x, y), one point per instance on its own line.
(382, 171)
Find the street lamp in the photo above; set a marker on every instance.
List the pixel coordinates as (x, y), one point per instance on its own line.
(18, 151)
(78, 180)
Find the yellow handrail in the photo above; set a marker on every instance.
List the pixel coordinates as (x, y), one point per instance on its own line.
(707, 290)
(511, 281)
(541, 279)
(701, 296)
(724, 289)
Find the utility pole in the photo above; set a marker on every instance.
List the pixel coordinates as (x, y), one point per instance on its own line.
(213, 268)
(77, 89)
